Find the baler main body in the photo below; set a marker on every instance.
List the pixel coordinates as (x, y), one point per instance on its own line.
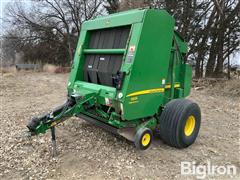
(126, 67)
(140, 48)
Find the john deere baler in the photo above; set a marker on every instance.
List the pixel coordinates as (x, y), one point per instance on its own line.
(129, 77)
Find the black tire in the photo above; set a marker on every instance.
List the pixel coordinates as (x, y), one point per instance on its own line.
(179, 123)
(140, 137)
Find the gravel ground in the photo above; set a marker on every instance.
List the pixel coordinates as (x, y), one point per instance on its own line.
(88, 152)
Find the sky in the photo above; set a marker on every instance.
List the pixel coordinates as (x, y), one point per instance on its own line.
(3, 5)
(234, 59)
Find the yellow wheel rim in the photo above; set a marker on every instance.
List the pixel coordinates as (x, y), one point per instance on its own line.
(146, 139)
(189, 126)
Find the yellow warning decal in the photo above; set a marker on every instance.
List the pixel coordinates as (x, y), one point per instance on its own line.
(168, 86)
(151, 91)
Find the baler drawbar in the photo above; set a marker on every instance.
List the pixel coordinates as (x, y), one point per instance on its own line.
(130, 77)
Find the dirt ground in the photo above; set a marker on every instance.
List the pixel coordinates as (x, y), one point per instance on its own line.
(88, 152)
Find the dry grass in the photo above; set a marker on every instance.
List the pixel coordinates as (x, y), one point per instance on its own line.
(11, 69)
(8, 71)
(50, 68)
(55, 69)
(213, 85)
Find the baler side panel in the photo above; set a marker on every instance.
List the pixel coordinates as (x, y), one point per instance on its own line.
(182, 71)
(130, 56)
(150, 65)
(187, 80)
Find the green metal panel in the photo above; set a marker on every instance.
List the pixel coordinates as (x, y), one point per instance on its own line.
(78, 62)
(105, 91)
(150, 64)
(187, 79)
(180, 41)
(118, 19)
(104, 51)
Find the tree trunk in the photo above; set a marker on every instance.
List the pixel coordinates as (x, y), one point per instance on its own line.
(218, 72)
(202, 66)
(198, 65)
(212, 58)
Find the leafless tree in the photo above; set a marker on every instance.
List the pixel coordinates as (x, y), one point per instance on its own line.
(211, 28)
(53, 24)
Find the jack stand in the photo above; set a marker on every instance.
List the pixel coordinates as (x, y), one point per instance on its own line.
(54, 145)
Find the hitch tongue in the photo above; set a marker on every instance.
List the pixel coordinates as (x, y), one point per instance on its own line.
(42, 123)
(35, 122)
(73, 105)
